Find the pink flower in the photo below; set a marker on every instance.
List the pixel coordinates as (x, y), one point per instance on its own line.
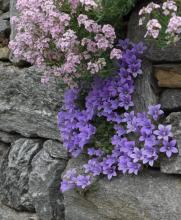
(116, 53)
(169, 7)
(153, 28)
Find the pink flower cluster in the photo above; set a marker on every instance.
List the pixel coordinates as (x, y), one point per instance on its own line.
(169, 7)
(154, 26)
(48, 36)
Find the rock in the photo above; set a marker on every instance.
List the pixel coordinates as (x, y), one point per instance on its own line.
(173, 165)
(4, 28)
(10, 214)
(4, 5)
(145, 91)
(5, 16)
(27, 106)
(14, 174)
(150, 195)
(168, 75)
(170, 100)
(8, 137)
(55, 149)
(154, 52)
(3, 150)
(47, 167)
(4, 53)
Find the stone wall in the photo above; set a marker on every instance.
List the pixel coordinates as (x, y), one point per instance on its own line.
(32, 158)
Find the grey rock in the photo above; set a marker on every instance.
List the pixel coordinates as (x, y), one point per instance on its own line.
(4, 28)
(5, 16)
(4, 5)
(44, 182)
(3, 150)
(8, 137)
(10, 214)
(170, 99)
(145, 88)
(173, 165)
(55, 149)
(150, 195)
(26, 105)
(154, 52)
(4, 53)
(14, 174)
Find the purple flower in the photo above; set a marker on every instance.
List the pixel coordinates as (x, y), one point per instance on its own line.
(136, 155)
(169, 147)
(123, 164)
(164, 132)
(66, 185)
(149, 155)
(155, 111)
(93, 167)
(91, 151)
(83, 181)
(133, 168)
(110, 172)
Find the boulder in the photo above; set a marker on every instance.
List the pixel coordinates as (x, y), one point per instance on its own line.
(173, 165)
(168, 75)
(4, 28)
(170, 100)
(145, 90)
(10, 214)
(5, 16)
(14, 174)
(154, 52)
(4, 5)
(44, 183)
(150, 195)
(30, 177)
(3, 150)
(27, 106)
(4, 53)
(8, 137)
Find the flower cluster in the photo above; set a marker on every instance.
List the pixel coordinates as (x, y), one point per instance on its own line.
(137, 138)
(161, 19)
(54, 36)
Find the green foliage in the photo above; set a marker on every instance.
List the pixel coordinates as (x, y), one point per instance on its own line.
(113, 12)
(104, 133)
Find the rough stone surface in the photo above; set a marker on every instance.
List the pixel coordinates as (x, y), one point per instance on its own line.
(4, 53)
(170, 99)
(150, 195)
(4, 28)
(3, 150)
(8, 137)
(47, 167)
(4, 5)
(168, 75)
(154, 52)
(173, 166)
(27, 106)
(10, 214)
(145, 90)
(55, 149)
(14, 174)
(5, 16)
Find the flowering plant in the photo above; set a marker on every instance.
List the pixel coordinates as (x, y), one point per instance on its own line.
(162, 22)
(65, 38)
(62, 38)
(116, 139)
